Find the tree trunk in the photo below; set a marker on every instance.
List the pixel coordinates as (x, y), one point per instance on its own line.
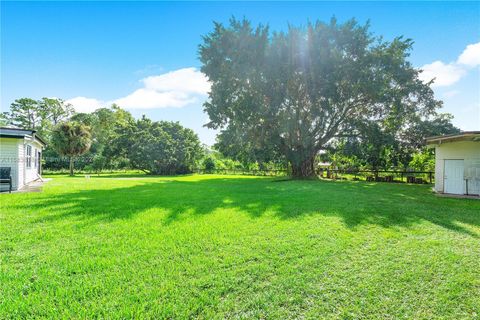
(71, 166)
(303, 169)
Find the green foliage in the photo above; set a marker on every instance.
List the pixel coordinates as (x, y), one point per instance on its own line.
(209, 164)
(53, 112)
(4, 119)
(106, 124)
(423, 161)
(98, 163)
(340, 161)
(217, 161)
(414, 136)
(24, 113)
(41, 115)
(163, 147)
(377, 146)
(71, 139)
(45, 114)
(296, 91)
(236, 145)
(118, 162)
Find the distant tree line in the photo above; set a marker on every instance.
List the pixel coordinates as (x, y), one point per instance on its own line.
(108, 138)
(380, 147)
(111, 139)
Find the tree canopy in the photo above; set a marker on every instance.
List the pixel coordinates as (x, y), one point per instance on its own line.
(108, 137)
(40, 115)
(71, 139)
(300, 89)
(161, 147)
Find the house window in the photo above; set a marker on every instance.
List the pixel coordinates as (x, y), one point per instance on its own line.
(35, 158)
(29, 156)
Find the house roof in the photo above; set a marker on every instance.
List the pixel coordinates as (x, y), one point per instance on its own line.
(20, 133)
(462, 136)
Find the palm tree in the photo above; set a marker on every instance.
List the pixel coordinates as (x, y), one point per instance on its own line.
(71, 139)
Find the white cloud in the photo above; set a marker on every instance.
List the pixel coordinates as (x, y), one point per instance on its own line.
(471, 55)
(446, 74)
(443, 74)
(183, 80)
(173, 89)
(82, 104)
(451, 93)
(151, 99)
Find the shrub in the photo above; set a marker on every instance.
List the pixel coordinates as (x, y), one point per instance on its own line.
(209, 164)
(163, 147)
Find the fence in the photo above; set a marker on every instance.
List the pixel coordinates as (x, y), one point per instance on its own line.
(243, 172)
(380, 175)
(368, 175)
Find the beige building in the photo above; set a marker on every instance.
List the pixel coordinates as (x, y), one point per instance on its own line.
(457, 163)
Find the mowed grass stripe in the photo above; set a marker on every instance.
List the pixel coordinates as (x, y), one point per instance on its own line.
(237, 247)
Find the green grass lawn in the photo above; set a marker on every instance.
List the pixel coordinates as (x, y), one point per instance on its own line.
(237, 247)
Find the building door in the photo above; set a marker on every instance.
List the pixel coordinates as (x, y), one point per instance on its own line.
(453, 177)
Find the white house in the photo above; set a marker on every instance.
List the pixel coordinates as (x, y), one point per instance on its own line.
(457, 163)
(21, 150)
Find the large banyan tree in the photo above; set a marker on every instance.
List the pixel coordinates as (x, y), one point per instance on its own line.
(299, 89)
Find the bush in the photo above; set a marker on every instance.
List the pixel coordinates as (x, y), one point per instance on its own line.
(163, 147)
(209, 164)
(423, 161)
(98, 163)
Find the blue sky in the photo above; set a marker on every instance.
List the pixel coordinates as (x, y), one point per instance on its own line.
(143, 55)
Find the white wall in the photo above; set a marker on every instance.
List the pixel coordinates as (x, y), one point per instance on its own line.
(9, 158)
(31, 173)
(21, 163)
(13, 155)
(469, 151)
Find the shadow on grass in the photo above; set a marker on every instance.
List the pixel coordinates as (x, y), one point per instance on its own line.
(356, 203)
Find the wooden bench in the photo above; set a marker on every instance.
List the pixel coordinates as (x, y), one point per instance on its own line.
(5, 177)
